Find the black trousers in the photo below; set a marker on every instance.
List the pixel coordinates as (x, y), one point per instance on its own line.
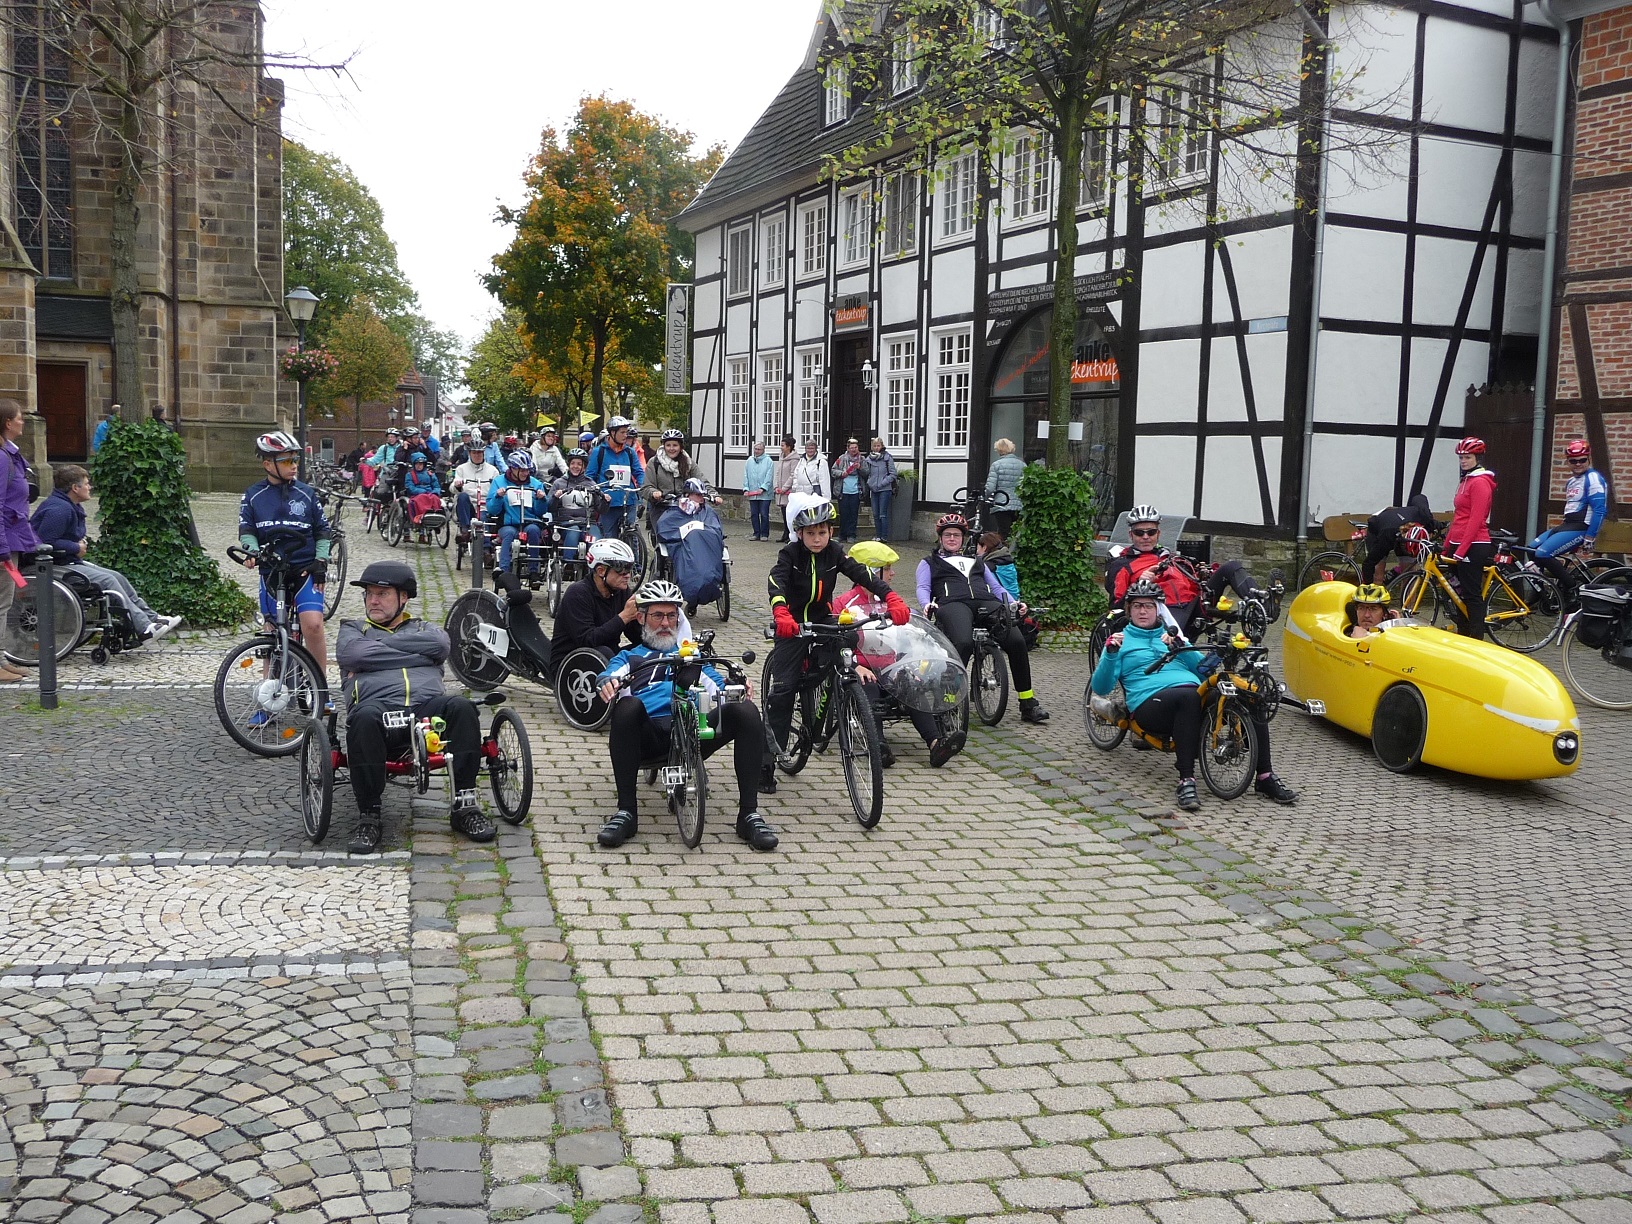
(928, 729)
(1002, 522)
(366, 746)
(787, 674)
(1470, 577)
(635, 737)
(958, 620)
(1232, 574)
(1176, 712)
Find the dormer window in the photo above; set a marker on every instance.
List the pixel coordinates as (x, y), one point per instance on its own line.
(836, 91)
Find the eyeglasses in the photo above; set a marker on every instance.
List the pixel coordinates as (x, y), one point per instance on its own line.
(1145, 533)
(620, 567)
(652, 614)
(1579, 459)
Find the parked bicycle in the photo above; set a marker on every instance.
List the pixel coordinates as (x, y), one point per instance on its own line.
(975, 505)
(1523, 611)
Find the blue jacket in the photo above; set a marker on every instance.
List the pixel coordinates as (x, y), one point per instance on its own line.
(605, 459)
(422, 482)
(1141, 648)
(760, 473)
(386, 454)
(656, 690)
(59, 521)
(268, 509)
(499, 507)
(101, 434)
(1586, 499)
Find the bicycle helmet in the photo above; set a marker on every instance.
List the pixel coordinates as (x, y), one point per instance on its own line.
(948, 521)
(659, 592)
(411, 432)
(617, 423)
(1578, 450)
(875, 555)
(276, 443)
(586, 438)
(673, 435)
(1144, 513)
(814, 516)
(699, 487)
(511, 442)
(1414, 537)
(519, 460)
(577, 452)
(1367, 593)
(548, 430)
(1471, 446)
(1144, 588)
(611, 552)
(389, 574)
(488, 427)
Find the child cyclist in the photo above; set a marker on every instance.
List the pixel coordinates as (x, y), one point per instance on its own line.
(801, 588)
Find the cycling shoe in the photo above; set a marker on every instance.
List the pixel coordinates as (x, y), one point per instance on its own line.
(258, 719)
(1273, 788)
(753, 829)
(618, 830)
(1185, 796)
(366, 840)
(468, 819)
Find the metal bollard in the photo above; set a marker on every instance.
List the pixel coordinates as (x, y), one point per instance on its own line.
(45, 608)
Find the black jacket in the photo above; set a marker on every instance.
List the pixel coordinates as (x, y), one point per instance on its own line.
(585, 619)
(804, 580)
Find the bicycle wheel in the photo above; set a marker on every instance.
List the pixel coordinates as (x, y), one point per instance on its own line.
(791, 757)
(316, 781)
(22, 627)
(1329, 566)
(1598, 673)
(396, 524)
(723, 604)
(510, 768)
(688, 793)
(265, 712)
(471, 662)
(989, 685)
(861, 756)
(335, 586)
(1524, 611)
(554, 587)
(1419, 597)
(1109, 623)
(1229, 747)
(1101, 734)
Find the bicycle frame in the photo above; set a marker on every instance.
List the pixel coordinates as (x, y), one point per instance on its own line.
(1433, 572)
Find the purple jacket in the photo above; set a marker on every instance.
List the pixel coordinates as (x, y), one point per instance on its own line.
(16, 535)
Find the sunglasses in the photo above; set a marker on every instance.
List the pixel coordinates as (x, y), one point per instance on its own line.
(285, 458)
(619, 567)
(1145, 533)
(1579, 459)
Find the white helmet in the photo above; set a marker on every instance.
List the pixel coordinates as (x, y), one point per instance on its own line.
(659, 592)
(1144, 513)
(617, 423)
(610, 552)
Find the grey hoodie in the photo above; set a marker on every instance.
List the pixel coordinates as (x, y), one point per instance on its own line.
(398, 666)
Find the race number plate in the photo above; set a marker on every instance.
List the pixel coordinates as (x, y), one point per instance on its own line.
(618, 477)
(519, 497)
(494, 640)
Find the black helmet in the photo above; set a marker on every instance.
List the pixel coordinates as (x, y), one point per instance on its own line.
(1144, 588)
(389, 574)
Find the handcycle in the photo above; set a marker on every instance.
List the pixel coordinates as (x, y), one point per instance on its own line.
(974, 505)
(1523, 611)
(433, 525)
(81, 610)
(1241, 693)
(683, 773)
(918, 671)
(1254, 616)
(988, 665)
(269, 686)
(419, 758)
(565, 566)
(831, 702)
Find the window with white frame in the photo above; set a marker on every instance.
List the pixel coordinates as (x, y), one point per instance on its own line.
(1181, 117)
(1032, 175)
(836, 93)
(773, 246)
(741, 418)
(739, 262)
(855, 227)
(957, 193)
(1094, 189)
(954, 355)
(813, 239)
(900, 204)
(812, 395)
(903, 62)
(988, 27)
(901, 393)
(772, 397)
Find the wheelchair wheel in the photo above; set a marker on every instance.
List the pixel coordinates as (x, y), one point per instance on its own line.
(264, 712)
(510, 768)
(316, 781)
(396, 524)
(688, 797)
(861, 756)
(1101, 735)
(475, 667)
(23, 623)
(723, 604)
(576, 694)
(989, 685)
(791, 758)
(335, 587)
(1229, 747)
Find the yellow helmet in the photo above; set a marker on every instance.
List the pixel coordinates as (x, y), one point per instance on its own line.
(1373, 593)
(874, 554)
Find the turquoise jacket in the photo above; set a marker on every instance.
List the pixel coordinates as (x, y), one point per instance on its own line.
(1141, 648)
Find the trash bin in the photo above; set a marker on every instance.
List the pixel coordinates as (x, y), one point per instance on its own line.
(906, 494)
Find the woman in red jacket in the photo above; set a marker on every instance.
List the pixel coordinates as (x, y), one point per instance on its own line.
(1467, 543)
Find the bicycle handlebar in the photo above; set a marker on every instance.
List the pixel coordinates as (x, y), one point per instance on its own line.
(983, 498)
(821, 629)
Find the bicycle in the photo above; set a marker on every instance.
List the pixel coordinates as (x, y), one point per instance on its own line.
(974, 505)
(1253, 615)
(1581, 570)
(268, 687)
(1523, 611)
(1597, 643)
(831, 703)
(1336, 564)
(334, 506)
(683, 774)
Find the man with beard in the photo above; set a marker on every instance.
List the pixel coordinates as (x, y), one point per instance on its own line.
(642, 716)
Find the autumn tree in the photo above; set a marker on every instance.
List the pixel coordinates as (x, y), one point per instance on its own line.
(499, 389)
(372, 358)
(596, 242)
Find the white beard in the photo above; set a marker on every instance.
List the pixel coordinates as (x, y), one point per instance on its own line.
(660, 640)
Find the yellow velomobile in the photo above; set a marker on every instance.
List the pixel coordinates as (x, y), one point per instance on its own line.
(1423, 694)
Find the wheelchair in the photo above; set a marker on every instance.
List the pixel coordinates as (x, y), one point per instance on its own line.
(415, 758)
(82, 611)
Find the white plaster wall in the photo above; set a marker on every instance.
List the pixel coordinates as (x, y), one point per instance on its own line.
(1263, 270)
(1229, 487)
(952, 282)
(1357, 379)
(1443, 265)
(1162, 468)
(898, 285)
(1169, 375)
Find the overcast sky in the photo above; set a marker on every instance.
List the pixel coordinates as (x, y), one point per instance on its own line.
(445, 102)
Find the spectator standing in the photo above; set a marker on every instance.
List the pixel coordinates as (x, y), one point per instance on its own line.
(759, 487)
(18, 542)
(879, 470)
(1004, 477)
(810, 473)
(784, 481)
(102, 427)
(847, 484)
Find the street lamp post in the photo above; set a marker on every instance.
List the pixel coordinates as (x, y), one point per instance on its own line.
(302, 305)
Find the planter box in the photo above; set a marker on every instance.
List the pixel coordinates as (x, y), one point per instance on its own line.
(901, 512)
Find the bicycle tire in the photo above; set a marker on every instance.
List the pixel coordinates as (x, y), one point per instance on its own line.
(510, 770)
(316, 781)
(396, 524)
(1418, 596)
(1529, 627)
(334, 588)
(989, 685)
(860, 755)
(475, 668)
(1593, 671)
(723, 604)
(1102, 735)
(444, 533)
(799, 731)
(283, 731)
(688, 802)
(1229, 747)
(1341, 565)
(553, 585)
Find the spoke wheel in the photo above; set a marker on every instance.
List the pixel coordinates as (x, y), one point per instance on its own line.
(1101, 734)
(1229, 747)
(444, 533)
(724, 602)
(1419, 597)
(554, 585)
(1340, 565)
(396, 524)
(1524, 611)
(1599, 673)
(791, 757)
(688, 797)
(510, 772)
(335, 587)
(316, 781)
(861, 756)
(989, 686)
(470, 660)
(22, 627)
(265, 712)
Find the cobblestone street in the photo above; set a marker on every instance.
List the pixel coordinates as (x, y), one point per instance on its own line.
(1030, 994)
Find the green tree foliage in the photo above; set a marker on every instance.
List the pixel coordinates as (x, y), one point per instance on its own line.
(596, 241)
(1053, 546)
(141, 483)
(372, 358)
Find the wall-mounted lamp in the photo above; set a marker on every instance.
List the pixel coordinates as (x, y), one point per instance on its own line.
(869, 377)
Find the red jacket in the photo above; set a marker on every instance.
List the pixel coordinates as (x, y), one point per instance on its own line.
(1175, 582)
(1470, 520)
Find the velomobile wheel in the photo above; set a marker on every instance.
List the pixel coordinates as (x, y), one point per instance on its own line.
(1399, 728)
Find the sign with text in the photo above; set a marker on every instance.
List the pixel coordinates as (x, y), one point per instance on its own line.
(852, 314)
(677, 341)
